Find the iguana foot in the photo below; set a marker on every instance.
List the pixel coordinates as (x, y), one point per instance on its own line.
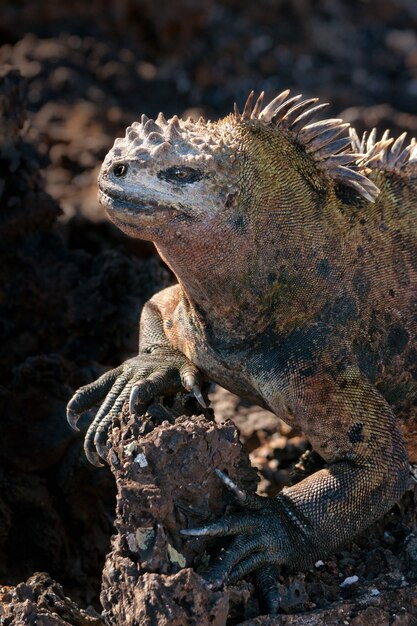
(161, 372)
(267, 535)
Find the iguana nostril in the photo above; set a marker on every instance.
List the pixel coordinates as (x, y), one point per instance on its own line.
(119, 170)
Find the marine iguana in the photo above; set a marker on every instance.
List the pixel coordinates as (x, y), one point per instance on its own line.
(295, 250)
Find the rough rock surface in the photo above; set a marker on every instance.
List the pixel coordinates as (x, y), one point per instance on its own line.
(165, 482)
(396, 607)
(40, 601)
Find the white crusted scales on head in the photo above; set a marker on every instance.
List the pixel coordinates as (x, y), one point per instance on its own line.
(195, 142)
(386, 154)
(321, 140)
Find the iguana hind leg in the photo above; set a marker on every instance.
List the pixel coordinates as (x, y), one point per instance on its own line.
(366, 473)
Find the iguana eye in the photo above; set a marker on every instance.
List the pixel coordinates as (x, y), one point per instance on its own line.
(182, 175)
(119, 170)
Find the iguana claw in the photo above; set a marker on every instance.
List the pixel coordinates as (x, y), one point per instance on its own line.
(196, 391)
(133, 398)
(231, 485)
(190, 383)
(102, 451)
(72, 419)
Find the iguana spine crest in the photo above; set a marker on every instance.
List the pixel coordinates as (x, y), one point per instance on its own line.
(386, 154)
(321, 140)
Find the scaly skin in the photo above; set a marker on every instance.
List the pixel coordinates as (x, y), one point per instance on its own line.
(296, 289)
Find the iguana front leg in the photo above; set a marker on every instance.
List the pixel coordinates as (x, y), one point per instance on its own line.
(159, 369)
(352, 427)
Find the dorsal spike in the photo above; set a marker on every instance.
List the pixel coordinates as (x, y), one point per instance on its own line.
(356, 143)
(248, 106)
(313, 131)
(413, 145)
(334, 147)
(339, 144)
(323, 139)
(357, 181)
(268, 112)
(341, 159)
(377, 154)
(306, 117)
(296, 110)
(258, 106)
(397, 145)
(371, 139)
(237, 112)
(404, 156)
(364, 140)
(144, 118)
(369, 194)
(317, 127)
(282, 110)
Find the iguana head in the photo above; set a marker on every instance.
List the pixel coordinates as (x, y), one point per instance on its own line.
(172, 177)
(168, 175)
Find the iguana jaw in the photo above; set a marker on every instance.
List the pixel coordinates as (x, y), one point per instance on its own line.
(137, 215)
(141, 206)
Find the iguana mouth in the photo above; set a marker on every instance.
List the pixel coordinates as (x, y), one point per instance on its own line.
(147, 207)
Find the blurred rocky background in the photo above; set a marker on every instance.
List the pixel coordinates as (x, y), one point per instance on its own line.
(72, 286)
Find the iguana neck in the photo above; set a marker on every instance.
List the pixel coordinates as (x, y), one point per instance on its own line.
(239, 287)
(216, 278)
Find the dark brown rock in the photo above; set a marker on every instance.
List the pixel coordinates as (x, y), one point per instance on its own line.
(394, 606)
(40, 601)
(165, 482)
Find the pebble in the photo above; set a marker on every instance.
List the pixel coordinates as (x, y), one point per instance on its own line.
(350, 580)
(141, 460)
